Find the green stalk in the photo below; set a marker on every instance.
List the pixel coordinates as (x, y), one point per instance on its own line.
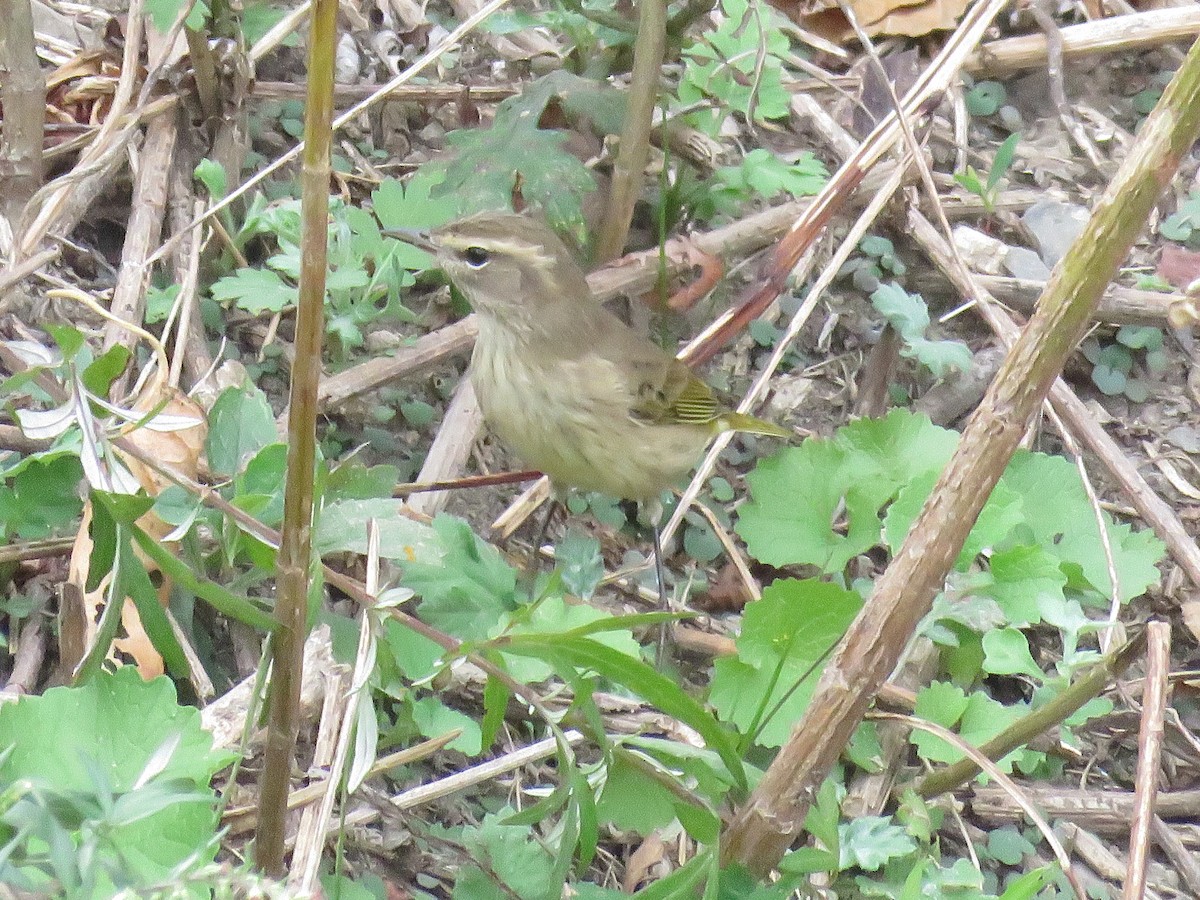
(295, 551)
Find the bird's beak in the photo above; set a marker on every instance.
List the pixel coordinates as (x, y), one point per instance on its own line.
(418, 239)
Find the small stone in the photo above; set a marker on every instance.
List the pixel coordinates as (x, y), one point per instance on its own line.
(1021, 262)
(1054, 225)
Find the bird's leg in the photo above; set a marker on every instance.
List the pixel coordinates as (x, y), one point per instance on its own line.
(652, 511)
(544, 528)
(660, 573)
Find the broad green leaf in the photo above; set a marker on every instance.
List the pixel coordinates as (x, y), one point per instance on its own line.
(797, 493)
(468, 589)
(40, 498)
(1006, 652)
(255, 291)
(784, 634)
(240, 424)
(118, 721)
(434, 718)
(632, 800)
(342, 528)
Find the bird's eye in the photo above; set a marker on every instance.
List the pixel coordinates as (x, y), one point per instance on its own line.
(476, 257)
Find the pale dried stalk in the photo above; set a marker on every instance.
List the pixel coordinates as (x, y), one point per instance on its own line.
(1150, 745)
(1115, 35)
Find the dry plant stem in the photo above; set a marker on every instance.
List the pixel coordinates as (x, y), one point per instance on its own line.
(25, 268)
(67, 197)
(1181, 857)
(191, 354)
(466, 778)
(1115, 35)
(1010, 788)
(239, 821)
(868, 793)
(765, 827)
(1150, 745)
(144, 231)
(295, 551)
(466, 482)
(27, 659)
(1058, 91)
(335, 717)
(1156, 512)
(413, 93)
(1120, 305)
(1105, 812)
(23, 96)
(1028, 727)
(634, 149)
(332, 753)
(425, 353)
(788, 252)
(226, 717)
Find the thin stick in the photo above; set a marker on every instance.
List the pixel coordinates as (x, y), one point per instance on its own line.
(1150, 745)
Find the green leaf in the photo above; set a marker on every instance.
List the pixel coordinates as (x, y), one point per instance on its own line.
(799, 495)
(342, 528)
(578, 558)
(1006, 652)
(105, 369)
(41, 497)
(212, 175)
(131, 579)
(1024, 582)
(1002, 161)
(940, 357)
(986, 98)
(256, 291)
(784, 634)
(433, 719)
(1060, 518)
(1027, 886)
(905, 312)
(1007, 845)
(164, 12)
(490, 163)
(1109, 380)
(632, 800)
(737, 64)
(115, 724)
(943, 704)
(870, 842)
(495, 704)
(411, 204)
(468, 589)
(636, 676)
(215, 595)
(510, 853)
(1140, 337)
(239, 426)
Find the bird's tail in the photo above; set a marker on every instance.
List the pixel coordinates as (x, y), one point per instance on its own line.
(741, 422)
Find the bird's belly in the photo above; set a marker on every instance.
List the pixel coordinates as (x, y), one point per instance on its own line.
(575, 431)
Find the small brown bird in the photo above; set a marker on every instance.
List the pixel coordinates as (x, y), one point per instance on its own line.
(562, 381)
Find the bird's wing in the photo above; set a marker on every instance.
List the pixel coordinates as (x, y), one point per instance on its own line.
(665, 391)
